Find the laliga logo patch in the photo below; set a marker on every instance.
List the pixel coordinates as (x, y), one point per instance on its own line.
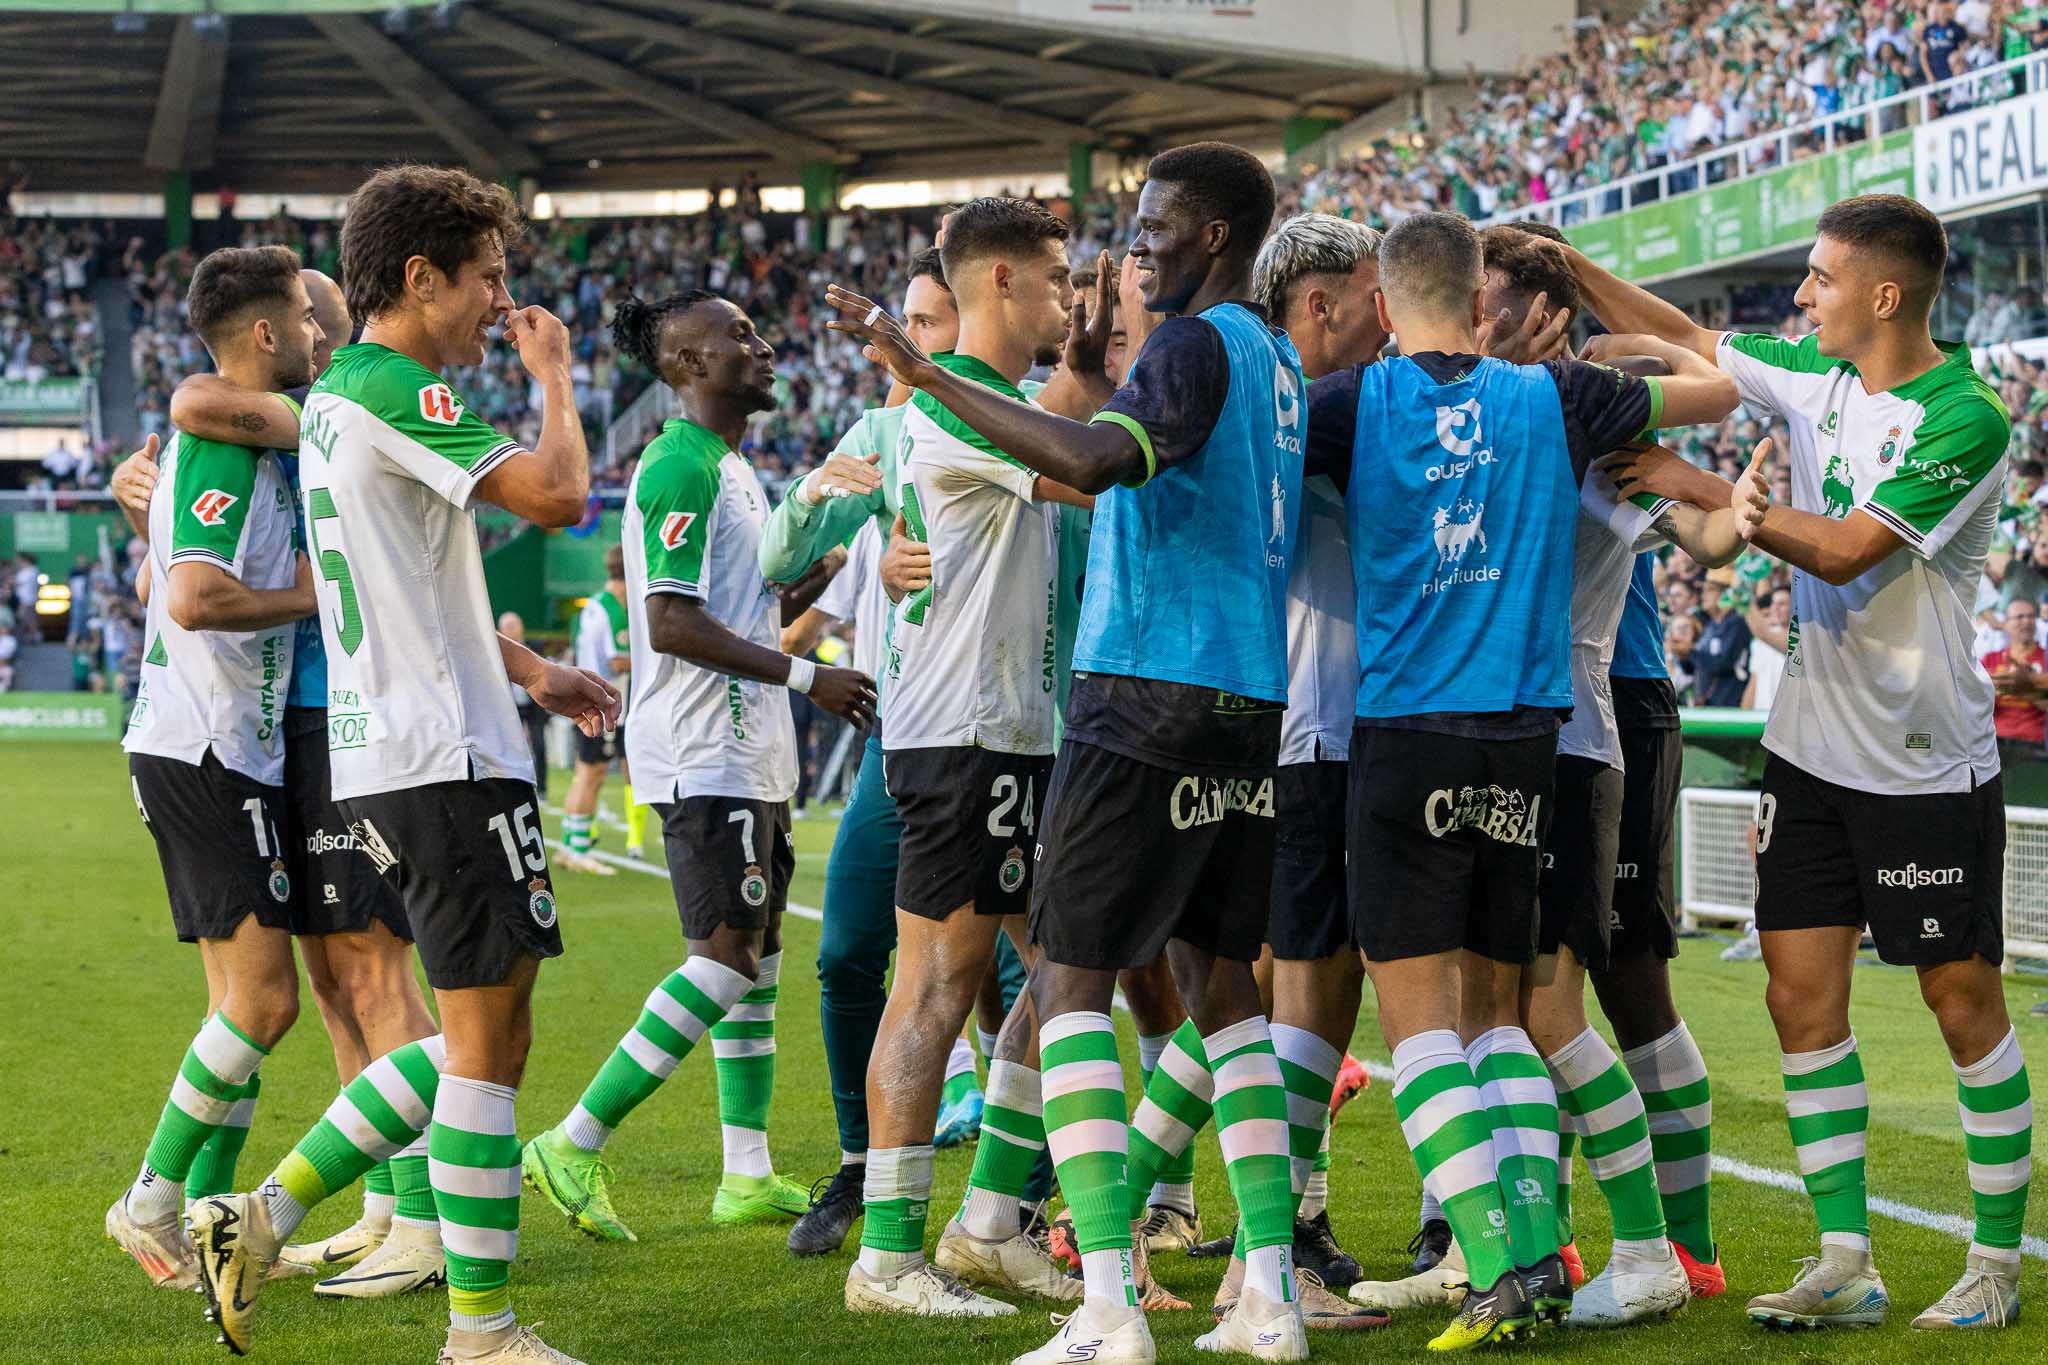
(211, 507)
(280, 882)
(674, 527)
(439, 404)
(754, 887)
(540, 903)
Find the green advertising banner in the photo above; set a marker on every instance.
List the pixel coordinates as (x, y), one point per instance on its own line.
(59, 715)
(1743, 217)
(41, 400)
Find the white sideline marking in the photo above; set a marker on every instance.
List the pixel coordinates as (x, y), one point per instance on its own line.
(1951, 1224)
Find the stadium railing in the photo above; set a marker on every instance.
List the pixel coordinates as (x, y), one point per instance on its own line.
(1769, 151)
(636, 423)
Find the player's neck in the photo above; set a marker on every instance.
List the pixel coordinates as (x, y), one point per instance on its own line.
(616, 587)
(407, 336)
(1449, 338)
(727, 420)
(1897, 357)
(987, 340)
(252, 371)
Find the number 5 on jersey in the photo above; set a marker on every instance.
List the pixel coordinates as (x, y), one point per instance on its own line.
(334, 568)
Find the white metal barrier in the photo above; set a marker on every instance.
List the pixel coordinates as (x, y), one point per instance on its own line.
(1717, 867)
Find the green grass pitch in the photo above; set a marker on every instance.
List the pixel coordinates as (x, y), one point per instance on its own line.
(99, 1001)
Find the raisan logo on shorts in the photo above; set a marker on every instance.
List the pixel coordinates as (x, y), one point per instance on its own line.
(438, 404)
(1912, 876)
(674, 527)
(211, 507)
(1010, 877)
(1496, 812)
(754, 887)
(280, 882)
(540, 902)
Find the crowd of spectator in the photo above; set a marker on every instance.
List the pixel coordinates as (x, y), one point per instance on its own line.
(48, 326)
(104, 628)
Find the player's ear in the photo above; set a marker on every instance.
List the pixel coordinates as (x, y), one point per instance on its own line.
(1001, 276)
(421, 278)
(1379, 306)
(1887, 300)
(1218, 236)
(265, 333)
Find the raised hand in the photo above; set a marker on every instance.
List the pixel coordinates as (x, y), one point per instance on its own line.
(882, 338)
(1752, 496)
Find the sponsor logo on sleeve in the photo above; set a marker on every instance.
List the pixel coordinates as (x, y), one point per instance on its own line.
(439, 404)
(211, 507)
(674, 527)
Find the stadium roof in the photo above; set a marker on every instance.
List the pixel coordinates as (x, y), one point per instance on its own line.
(612, 94)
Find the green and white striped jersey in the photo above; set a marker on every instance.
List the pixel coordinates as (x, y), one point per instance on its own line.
(692, 527)
(222, 690)
(389, 459)
(1882, 691)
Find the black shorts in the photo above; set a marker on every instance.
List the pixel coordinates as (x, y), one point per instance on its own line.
(1309, 919)
(602, 747)
(729, 858)
(470, 865)
(1575, 893)
(335, 886)
(1925, 874)
(1131, 855)
(969, 820)
(1446, 839)
(217, 835)
(1645, 921)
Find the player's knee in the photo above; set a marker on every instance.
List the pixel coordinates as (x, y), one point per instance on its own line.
(1969, 1008)
(849, 965)
(265, 1010)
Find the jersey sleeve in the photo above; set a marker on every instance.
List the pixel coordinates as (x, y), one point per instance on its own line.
(960, 464)
(1332, 426)
(678, 504)
(210, 513)
(1174, 394)
(1768, 370)
(433, 436)
(1604, 408)
(1946, 473)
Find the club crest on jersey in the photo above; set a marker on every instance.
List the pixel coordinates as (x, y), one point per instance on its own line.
(540, 902)
(1010, 877)
(754, 887)
(1889, 451)
(674, 527)
(439, 404)
(280, 882)
(211, 507)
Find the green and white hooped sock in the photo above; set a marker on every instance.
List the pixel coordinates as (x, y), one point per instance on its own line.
(1451, 1135)
(380, 1194)
(678, 1013)
(1263, 1153)
(743, 1054)
(217, 1065)
(414, 1198)
(1594, 1087)
(1827, 1109)
(473, 1161)
(1086, 1128)
(375, 1117)
(1671, 1076)
(961, 1077)
(1515, 1087)
(897, 1196)
(1567, 1140)
(987, 1041)
(1174, 1185)
(1308, 1068)
(1998, 1137)
(213, 1170)
(1012, 1136)
(1176, 1105)
(576, 832)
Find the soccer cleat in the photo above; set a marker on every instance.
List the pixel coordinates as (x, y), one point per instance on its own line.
(584, 863)
(1838, 1288)
(521, 1345)
(1631, 1289)
(959, 1121)
(1988, 1295)
(576, 1182)
(1017, 1263)
(1440, 1286)
(1748, 948)
(1353, 1080)
(924, 1290)
(410, 1258)
(1153, 1297)
(831, 1216)
(1573, 1262)
(236, 1247)
(344, 1248)
(1096, 1333)
(1322, 1311)
(1429, 1245)
(1258, 1327)
(758, 1199)
(1216, 1246)
(1501, 1313)
(1549, 1283)
(1315, 1247)
(1060, 1243)
(1168, 1229)
(637, 852)
(1706, 1277)
(161, 1248)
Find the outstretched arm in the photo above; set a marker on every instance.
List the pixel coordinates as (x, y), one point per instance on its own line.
(1624, 307)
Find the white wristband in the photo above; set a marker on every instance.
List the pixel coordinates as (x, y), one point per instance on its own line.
(801, 673)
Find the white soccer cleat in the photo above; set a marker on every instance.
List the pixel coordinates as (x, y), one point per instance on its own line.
(344, 1248)
(1631, 1288)
(236, 1246)
(1838, 1288)
(1019, 1263)
(924, 1291)
(1988, 1295)
(1441, 1286)
(521, 1345)
(161, 1248)
(1096, 1333)
(1257, 1327)
(584, 863)
(410, 1258)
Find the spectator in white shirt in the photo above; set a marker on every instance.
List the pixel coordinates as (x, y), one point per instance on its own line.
(1770, 626)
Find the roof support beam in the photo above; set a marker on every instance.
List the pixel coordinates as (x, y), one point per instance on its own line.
(187, 122)
(467, 130)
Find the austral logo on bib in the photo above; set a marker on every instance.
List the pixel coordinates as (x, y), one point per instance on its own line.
(438, 403)
(211, 507)
(674, 527)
